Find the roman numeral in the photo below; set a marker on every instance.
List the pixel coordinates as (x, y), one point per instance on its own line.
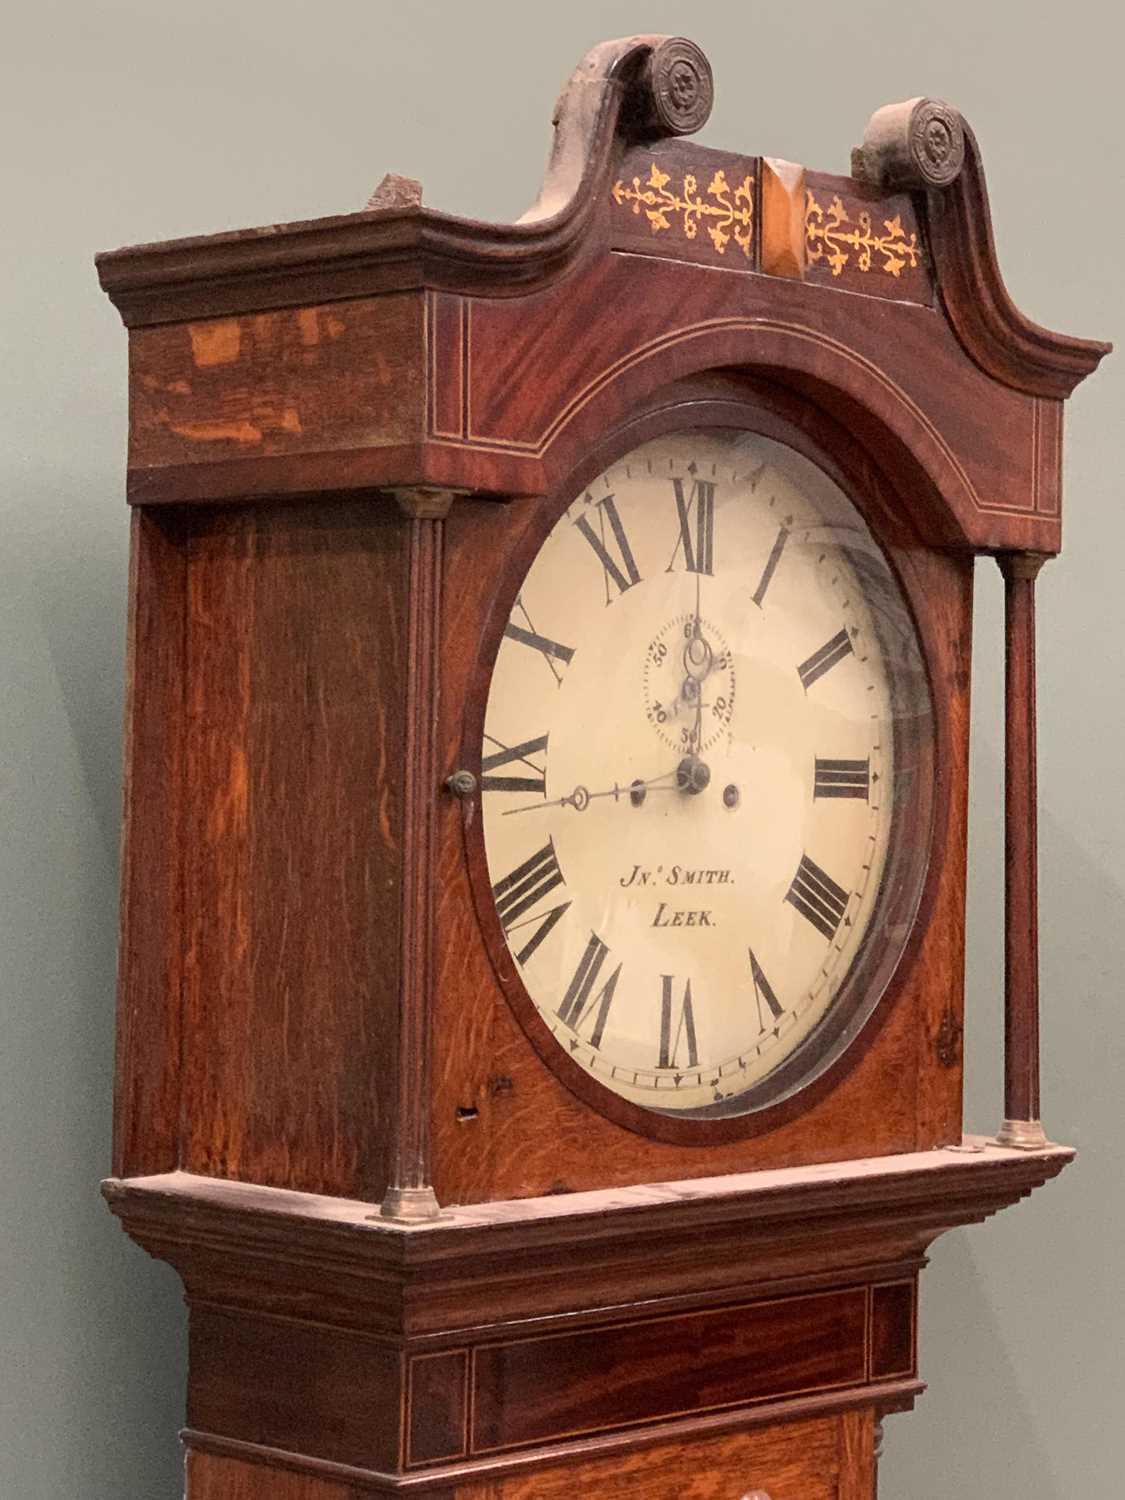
(622, 569)
(842, 778)
(818, 897)
(551, 651)
(771, 565)
(579, 1001)
(524, 888)
(506, 756)
(698, 541)
(676, 1028)
(763, 991)
(825, 659)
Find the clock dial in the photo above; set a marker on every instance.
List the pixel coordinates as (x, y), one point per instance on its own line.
(692, 749)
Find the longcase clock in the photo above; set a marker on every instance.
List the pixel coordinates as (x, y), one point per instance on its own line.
(544, 881)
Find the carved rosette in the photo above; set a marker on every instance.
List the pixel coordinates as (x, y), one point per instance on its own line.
(917, 144)
(937, 142)
(681, 86)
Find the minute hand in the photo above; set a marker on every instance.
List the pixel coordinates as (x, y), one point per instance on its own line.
(699, 663)
(580, 798)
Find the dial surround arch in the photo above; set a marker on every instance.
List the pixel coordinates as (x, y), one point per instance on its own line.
(877, 970)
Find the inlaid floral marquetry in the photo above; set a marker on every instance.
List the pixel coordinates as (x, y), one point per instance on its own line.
(837, 239)
(725, 212)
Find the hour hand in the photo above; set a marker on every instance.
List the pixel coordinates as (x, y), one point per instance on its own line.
(581, 797)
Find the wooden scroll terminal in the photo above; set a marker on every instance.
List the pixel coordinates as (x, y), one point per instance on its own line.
(1021, 1127)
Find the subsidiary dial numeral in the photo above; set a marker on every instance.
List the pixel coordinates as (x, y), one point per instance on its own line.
(842, 778)
(825, 659)
(695, 511)
(620, 569)
(677, 1027)
(524, 888)
(817, 897)
(580, 1001)
(515, 755)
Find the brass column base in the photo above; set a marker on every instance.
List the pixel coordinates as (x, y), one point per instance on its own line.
(1022, 1135)
(416, 1205)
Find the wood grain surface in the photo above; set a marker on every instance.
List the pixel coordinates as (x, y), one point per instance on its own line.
(294, 691)
(797, 1461)
(326, 380)
(568, 1385)
(825, 1458)
(146, 1115)
(334, 1394)
(213, 1476)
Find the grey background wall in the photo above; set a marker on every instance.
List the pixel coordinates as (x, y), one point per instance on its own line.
(126, 120)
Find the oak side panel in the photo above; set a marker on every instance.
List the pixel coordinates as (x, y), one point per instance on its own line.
(211, 1476)
(292, 848)
(146, 1106)
(790, 1461)
(470, 1087)
(857, 1455)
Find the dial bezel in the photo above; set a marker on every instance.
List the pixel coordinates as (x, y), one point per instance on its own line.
(874, 979)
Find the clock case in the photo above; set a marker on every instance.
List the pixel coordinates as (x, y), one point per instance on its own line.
(340, 432)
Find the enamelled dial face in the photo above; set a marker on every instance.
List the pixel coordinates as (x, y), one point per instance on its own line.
(688, 773)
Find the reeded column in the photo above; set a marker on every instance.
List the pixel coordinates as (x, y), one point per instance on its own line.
(410, 1195)
(1021, 1127)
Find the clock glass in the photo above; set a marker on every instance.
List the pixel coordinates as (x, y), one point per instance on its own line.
(704, 774)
